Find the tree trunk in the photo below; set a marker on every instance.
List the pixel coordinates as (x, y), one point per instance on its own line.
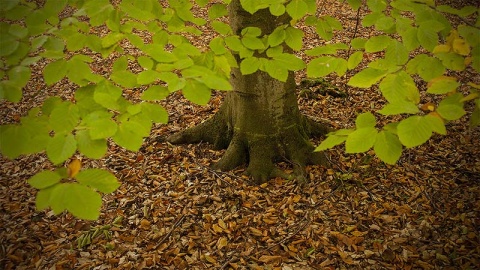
(259, 122)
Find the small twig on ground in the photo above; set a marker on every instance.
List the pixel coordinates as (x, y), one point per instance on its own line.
(174, 226)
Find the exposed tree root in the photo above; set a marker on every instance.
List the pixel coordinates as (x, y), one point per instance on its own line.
(259, 151)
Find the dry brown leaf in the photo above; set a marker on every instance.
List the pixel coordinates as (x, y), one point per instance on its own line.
(222, 242)
(270, 259)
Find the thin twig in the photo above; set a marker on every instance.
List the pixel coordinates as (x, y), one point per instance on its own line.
(174, 226)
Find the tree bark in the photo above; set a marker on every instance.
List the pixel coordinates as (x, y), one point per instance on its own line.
(259, 122)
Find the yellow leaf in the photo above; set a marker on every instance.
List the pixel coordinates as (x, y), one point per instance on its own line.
(217, 228)
(222, 224)
(222, 242)
(210, 259)
(461, 47)
(358, 233)
(477, 86)
(470, 97)
(453, 35)
(441, 48)
(74, 167)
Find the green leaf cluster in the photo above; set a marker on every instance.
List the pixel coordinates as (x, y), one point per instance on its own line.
(81, 198)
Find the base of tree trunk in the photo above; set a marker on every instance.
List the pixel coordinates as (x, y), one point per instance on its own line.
(259, 151)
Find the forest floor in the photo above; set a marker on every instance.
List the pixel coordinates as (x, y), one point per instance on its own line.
(173, 212)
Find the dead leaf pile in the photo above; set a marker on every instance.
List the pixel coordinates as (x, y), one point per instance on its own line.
(173, 212)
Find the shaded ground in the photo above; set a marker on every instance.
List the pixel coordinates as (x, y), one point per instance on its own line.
(173, 212)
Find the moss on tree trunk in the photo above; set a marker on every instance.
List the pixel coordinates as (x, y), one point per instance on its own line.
(259, 122)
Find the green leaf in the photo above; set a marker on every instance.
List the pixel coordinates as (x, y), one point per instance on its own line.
(358, 43)
(95, 149)
(147, 76)
(107, 94)
(253, 43)
(124, 78)
(400, 87)
(79, 72)
(410, 39)
(354, 60)
(158, 53)
(221, 27)
(442, 85)
(82, 201)
(127, 136)
(425, 66)
(427, 37)
(98, 179)
(361, 140)
(377, 43)
(64, 117)
(372, 18)
(10, 91)
(42, 200)
(249, 65)
(120, 64)
(155, 92)
(196, 92)
(437, 124)
(277, 36)
(367, 77)
(217, 11)
(155, 112)
(100, 128)
(399, 107)
(397, 53)
(414, 131)
(330, 142)
(387, 147)
(355, 4)
(294, 38)
(471, 34)
(289, 61)
(452, 61)
(251, 31)
(217, 45)
(44, 179)
(216, 82)
(297, 9)
(365, 120)
(276, 71)
(377, 5)
(19, 75)
(450, 111)
(277, 9)
(57, 198)
(61, 147)
(145, 62)
(55, 71)
(322, 66)
(251, 6)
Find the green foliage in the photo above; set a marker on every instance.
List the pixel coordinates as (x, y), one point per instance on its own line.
(100, 110)
(79, 198)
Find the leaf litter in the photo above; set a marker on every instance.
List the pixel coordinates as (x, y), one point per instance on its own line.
(173, 212)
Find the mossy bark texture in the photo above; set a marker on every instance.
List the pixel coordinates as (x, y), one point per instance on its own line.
(259, 122)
